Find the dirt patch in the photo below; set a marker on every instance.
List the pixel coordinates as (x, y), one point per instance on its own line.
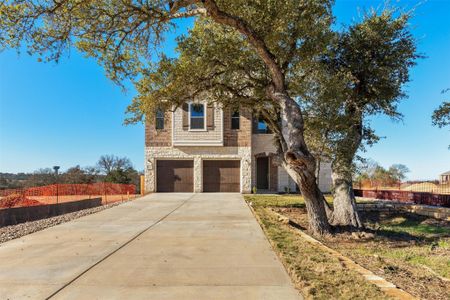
(17, 200)
(411, 251)
(316, 273)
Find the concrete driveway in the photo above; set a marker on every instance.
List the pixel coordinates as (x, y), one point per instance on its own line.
(162, 246)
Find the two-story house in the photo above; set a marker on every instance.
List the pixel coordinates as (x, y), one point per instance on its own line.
(444, 178)
(204, 148)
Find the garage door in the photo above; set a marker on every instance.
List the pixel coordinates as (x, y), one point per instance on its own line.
(175, 176)
(221, 176)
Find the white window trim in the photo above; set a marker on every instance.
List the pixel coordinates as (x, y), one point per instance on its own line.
(205, 116)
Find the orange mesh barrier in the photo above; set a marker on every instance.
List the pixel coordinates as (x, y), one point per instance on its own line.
(56, 193)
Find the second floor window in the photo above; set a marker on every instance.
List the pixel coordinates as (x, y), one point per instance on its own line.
(262, 127)
(235, 120)
(159, 122)
(197, 116)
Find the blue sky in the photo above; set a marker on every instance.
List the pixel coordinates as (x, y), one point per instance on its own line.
(70, 113)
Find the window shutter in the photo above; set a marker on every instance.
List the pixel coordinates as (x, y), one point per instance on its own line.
(210, 116)
(185, 116)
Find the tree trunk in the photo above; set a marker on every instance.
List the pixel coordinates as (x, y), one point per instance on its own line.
(300, 163)
(293, 150)
(314, 201)
(345, 212)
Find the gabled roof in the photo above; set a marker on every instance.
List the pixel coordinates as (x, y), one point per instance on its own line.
(446, 173)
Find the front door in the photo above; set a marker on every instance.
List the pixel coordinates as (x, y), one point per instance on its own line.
(262, 173)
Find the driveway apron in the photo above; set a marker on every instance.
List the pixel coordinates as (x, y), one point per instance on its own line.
(161, 246)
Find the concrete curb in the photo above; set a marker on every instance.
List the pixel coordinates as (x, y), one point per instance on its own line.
(387, 287)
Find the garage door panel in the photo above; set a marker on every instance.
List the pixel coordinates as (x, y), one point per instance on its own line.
(175, 176)
(221, 176)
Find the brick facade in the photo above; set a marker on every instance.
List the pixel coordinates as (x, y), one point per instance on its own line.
(218, 142)
(159, 137)
(241, 137)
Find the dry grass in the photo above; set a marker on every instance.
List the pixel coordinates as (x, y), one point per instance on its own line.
(316, 274)
(411, 251)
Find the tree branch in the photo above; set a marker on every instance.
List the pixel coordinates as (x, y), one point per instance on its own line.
(188, 13)
(257, 42)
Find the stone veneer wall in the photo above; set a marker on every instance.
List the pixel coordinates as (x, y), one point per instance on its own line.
(197, 154)
(393, 206)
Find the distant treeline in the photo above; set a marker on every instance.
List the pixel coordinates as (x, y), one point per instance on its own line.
(109, 168)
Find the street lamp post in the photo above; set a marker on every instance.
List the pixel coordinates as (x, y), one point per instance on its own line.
(56, 169)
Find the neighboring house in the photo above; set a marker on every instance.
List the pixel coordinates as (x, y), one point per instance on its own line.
(202, 148)
(444, 178)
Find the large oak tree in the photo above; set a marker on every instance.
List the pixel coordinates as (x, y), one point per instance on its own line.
(361, 73)
(281, 40)
(122, 35)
